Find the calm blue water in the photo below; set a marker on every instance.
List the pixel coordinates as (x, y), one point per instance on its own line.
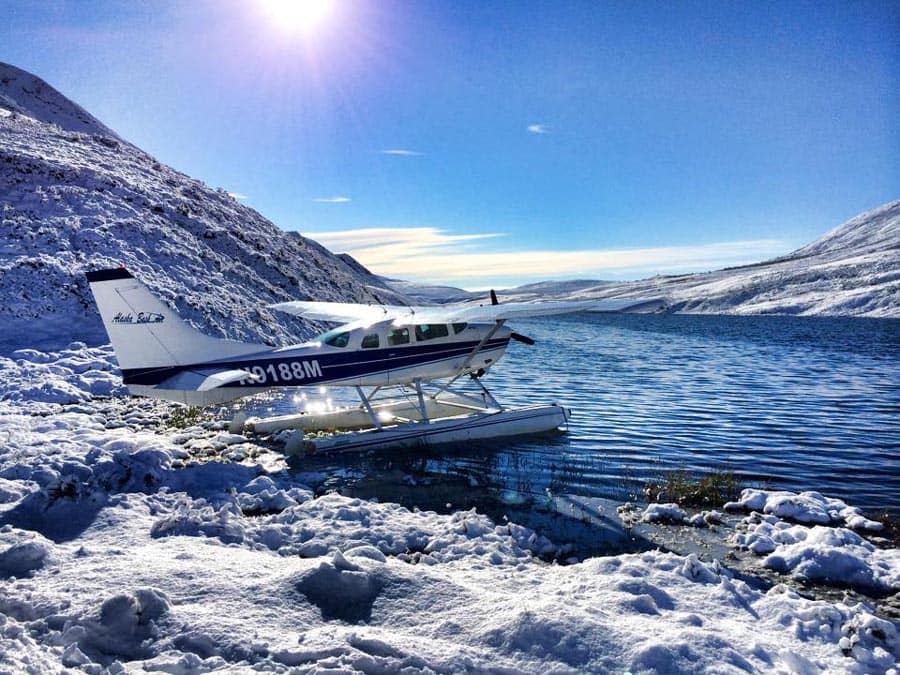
(783, 402)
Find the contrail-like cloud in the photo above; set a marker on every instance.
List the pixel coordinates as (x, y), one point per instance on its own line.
(332, 200)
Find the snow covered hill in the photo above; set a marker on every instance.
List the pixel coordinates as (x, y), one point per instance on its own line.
(74, 197)
(854, 270)
(23, 93)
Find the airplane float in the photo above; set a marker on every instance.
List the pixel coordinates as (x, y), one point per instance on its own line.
(380, 347)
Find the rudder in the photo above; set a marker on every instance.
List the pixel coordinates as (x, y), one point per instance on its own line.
(147, 333)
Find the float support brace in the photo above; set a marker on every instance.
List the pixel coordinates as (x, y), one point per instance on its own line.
(368, 407)
(422, 406)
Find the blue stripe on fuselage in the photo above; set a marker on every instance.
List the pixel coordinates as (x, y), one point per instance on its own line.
(313, 366)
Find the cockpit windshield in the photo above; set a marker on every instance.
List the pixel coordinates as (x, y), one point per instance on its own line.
(335, 338)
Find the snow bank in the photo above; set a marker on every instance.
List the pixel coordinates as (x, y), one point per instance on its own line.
(664, 513)
(835, 556)
(74, 375)
(332, 522)
(671, 514)
(805, 507)
(22, 552)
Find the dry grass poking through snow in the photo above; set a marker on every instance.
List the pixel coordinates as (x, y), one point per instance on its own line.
(685, 489)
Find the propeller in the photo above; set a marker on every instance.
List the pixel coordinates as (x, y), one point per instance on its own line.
(524, 339)
(518, 337)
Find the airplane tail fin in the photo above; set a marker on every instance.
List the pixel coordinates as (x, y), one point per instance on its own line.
(146, 333)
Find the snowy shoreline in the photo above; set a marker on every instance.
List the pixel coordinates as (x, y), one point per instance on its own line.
(129, 545)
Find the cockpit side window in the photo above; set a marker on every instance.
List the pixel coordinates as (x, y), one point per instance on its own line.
(398, 336)
(459, 328)
(370, 341)
(430, 331)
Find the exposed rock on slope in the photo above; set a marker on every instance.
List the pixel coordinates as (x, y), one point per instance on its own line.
(74, 197)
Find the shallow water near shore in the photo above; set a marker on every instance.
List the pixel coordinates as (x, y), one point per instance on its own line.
(797, 403)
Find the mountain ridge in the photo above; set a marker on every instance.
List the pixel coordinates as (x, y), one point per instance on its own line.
(44, 103)
(851, 270)
(81, 198)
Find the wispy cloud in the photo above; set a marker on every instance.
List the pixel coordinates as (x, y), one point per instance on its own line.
(387, 246)
(401, 152)
(538, 129)
(432, 255)
(332, 200)
(238, 196)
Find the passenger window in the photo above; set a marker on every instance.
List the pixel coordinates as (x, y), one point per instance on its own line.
(398, 336)
(430, 331)
(339, 340)
(459, 328)
(370, 341)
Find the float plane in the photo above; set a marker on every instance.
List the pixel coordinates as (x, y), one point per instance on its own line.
(375, 346)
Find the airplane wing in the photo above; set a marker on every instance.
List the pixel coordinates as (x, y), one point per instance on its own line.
(343, 312)
(508, 310)
(521, 310)
(339, 312)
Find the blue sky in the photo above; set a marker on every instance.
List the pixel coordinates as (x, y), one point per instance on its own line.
(539, 140)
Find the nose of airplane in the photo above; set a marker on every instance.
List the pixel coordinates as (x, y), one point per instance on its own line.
(504, 332)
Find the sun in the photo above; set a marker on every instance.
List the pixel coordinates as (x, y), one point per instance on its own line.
(300, 16)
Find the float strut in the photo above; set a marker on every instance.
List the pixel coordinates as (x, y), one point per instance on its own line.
(487, 394)
(368, 406)
(422, 407)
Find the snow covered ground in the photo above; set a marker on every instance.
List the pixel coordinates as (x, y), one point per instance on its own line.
(129, 542)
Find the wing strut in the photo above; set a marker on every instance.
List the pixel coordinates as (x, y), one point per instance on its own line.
(474, 353)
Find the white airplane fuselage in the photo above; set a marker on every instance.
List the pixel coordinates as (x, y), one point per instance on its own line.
(162, 356)
(377, 355)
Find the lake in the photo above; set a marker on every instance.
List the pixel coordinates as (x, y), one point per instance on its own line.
(782, 402)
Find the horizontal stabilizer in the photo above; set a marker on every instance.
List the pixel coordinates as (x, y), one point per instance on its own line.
(205, 379)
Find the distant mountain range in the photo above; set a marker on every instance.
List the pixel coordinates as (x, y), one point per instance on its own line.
(853, 270)
(74, 196)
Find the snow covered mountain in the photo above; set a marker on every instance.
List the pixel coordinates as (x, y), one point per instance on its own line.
(853, 270)
(74, 196)
(25, 94)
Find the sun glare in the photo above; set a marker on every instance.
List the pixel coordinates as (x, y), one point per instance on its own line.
(302, 16)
